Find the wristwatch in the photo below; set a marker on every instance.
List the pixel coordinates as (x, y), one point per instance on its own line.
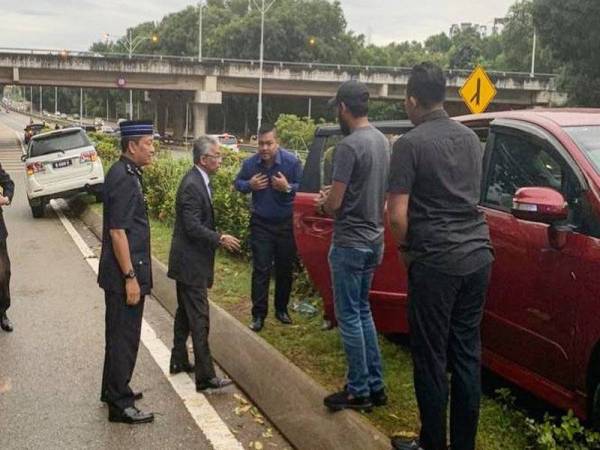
(129, 275)
(289, 189)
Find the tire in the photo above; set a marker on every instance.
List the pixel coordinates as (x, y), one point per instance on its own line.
(98, 197)
(38, 211)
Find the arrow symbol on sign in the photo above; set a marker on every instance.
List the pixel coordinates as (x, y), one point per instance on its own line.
(477, 97)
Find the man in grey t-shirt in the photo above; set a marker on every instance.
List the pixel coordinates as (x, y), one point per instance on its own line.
(356, 201)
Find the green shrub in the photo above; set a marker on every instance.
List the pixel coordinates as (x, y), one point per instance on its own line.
(295, 133)
(552, 433)
(161, 179)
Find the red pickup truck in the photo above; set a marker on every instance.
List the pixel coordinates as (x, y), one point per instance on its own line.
(541, 196)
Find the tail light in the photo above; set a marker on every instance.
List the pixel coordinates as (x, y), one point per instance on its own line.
(90, 156)
(35, 167)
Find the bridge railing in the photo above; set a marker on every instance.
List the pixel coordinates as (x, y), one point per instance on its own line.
(253, 62)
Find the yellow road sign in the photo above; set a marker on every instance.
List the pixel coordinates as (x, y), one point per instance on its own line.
(478, 91)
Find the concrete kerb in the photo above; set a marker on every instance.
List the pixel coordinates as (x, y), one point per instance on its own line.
(291, 400)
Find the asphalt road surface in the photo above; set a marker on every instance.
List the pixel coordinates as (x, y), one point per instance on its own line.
(51, 365)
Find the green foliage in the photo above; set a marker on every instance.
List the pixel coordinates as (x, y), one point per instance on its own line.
(161, 180)
(232, 210)
(295, 133)
(571, 30)
(552, 433)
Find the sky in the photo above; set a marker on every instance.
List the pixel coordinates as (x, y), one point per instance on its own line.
(76, 24)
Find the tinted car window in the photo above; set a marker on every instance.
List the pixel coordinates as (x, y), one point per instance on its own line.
(227, 140)
(520, 162)
(58, 143)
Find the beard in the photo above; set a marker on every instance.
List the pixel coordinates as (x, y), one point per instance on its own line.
(344, 126)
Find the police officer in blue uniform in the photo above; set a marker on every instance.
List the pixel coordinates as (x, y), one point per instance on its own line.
(125, 271)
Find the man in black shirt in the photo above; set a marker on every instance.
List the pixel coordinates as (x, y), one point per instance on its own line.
(125, 271)
(443, 238)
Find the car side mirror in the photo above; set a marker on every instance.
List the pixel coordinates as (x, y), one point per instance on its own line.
(539, 204)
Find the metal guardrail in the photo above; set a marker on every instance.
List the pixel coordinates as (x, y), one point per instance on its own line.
(64, 53)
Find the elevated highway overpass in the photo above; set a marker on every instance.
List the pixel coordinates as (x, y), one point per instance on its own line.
(202, 83)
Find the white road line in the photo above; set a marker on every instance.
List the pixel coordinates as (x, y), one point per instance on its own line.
(208, 420)
(19, 141)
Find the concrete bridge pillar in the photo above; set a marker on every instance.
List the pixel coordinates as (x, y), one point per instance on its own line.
(200, 114)
(161, 116)
(202, 98)
(178, 110)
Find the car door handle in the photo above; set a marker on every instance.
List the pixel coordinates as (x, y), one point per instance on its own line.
(318, 224)
(544, 317)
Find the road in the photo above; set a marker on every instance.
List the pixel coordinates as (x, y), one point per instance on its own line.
(50, 367)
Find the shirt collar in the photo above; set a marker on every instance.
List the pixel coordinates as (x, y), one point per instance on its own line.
(205, 176)
(434, 115)
(134, 167)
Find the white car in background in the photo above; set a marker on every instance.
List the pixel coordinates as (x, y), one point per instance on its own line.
(61, 163)
(227, 140)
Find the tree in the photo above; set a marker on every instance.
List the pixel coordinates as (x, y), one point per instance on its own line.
(571, 31)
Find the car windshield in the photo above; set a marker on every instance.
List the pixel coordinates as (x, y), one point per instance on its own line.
(588, 139)
(227, 140)
(58, 143)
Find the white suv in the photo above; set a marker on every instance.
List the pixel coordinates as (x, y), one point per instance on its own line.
(61, 163)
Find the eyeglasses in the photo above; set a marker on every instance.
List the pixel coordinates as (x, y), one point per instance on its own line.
(218, 158)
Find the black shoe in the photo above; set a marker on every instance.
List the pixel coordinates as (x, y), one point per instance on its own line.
(5, 323)
(213, 383)
(379, 398)
(136, 396)
(130, 415)
(178, 368)
(404, 444)
(257, 324)
(283, 317)
(344, 400)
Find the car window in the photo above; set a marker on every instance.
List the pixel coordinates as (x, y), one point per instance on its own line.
(518, 162)
(227, 140)
(58, 143)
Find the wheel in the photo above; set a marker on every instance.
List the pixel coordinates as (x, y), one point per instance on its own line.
(98, 197)
(37, 210)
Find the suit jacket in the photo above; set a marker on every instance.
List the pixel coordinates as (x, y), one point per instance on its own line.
(8, 187)
(192, 255)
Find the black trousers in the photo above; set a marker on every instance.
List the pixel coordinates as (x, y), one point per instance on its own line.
(123, 329)
(4, 278)
(445, 315)
(272, 245)
(192, 316)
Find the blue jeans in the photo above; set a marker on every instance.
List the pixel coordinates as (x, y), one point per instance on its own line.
(352, 271)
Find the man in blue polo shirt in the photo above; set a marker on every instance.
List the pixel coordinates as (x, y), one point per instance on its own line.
(272, 176)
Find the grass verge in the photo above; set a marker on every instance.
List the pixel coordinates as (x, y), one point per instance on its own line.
(319, 353)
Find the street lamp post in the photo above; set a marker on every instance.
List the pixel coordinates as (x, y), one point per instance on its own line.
(263, 10)
(200, 6)
(532, 74)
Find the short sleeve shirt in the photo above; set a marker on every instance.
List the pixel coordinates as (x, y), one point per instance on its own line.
(439, 164)
(125, 209)
(361, 162)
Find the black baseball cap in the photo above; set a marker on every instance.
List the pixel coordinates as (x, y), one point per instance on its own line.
(351, 92)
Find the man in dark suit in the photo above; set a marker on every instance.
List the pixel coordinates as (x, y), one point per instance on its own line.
(191, 264)
(8, 190)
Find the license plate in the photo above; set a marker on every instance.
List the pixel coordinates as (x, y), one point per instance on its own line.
(61, 164)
